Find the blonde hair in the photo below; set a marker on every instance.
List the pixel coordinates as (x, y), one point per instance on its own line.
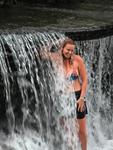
(67, 41)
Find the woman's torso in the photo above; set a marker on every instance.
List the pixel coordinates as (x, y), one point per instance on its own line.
(73, 84)
(73, 77)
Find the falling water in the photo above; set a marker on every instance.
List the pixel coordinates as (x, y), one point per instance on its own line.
(32, 93)
(99, 59)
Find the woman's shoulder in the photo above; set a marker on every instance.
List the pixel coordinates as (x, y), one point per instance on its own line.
(78, 58)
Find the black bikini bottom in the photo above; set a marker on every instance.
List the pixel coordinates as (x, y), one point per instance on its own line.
(80, 115)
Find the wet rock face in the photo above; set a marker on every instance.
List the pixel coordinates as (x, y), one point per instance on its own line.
(55, 1)
(91, 33)
(64, 1)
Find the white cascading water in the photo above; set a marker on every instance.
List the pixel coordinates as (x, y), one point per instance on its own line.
(34, 83)
(98, 58)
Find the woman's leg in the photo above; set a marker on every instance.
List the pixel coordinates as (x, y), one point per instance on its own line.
(82, 133)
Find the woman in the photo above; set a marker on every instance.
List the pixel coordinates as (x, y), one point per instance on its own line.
(75, 72)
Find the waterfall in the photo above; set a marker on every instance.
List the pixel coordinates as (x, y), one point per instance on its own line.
(98, 57)
(31, 92)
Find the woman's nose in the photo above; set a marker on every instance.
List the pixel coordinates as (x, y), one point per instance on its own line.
(70, 52)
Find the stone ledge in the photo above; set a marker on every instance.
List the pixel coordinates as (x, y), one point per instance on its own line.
(74, 33)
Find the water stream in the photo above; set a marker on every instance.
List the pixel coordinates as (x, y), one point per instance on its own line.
(32, 94)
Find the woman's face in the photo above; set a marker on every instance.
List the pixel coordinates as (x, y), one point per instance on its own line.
(68, 50)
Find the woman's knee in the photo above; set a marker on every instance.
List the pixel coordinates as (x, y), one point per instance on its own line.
(83, 133)
(82, 127)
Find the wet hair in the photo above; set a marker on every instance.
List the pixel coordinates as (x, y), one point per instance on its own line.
(67, 41)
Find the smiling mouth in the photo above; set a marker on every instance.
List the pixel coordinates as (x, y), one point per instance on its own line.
(67, 56)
